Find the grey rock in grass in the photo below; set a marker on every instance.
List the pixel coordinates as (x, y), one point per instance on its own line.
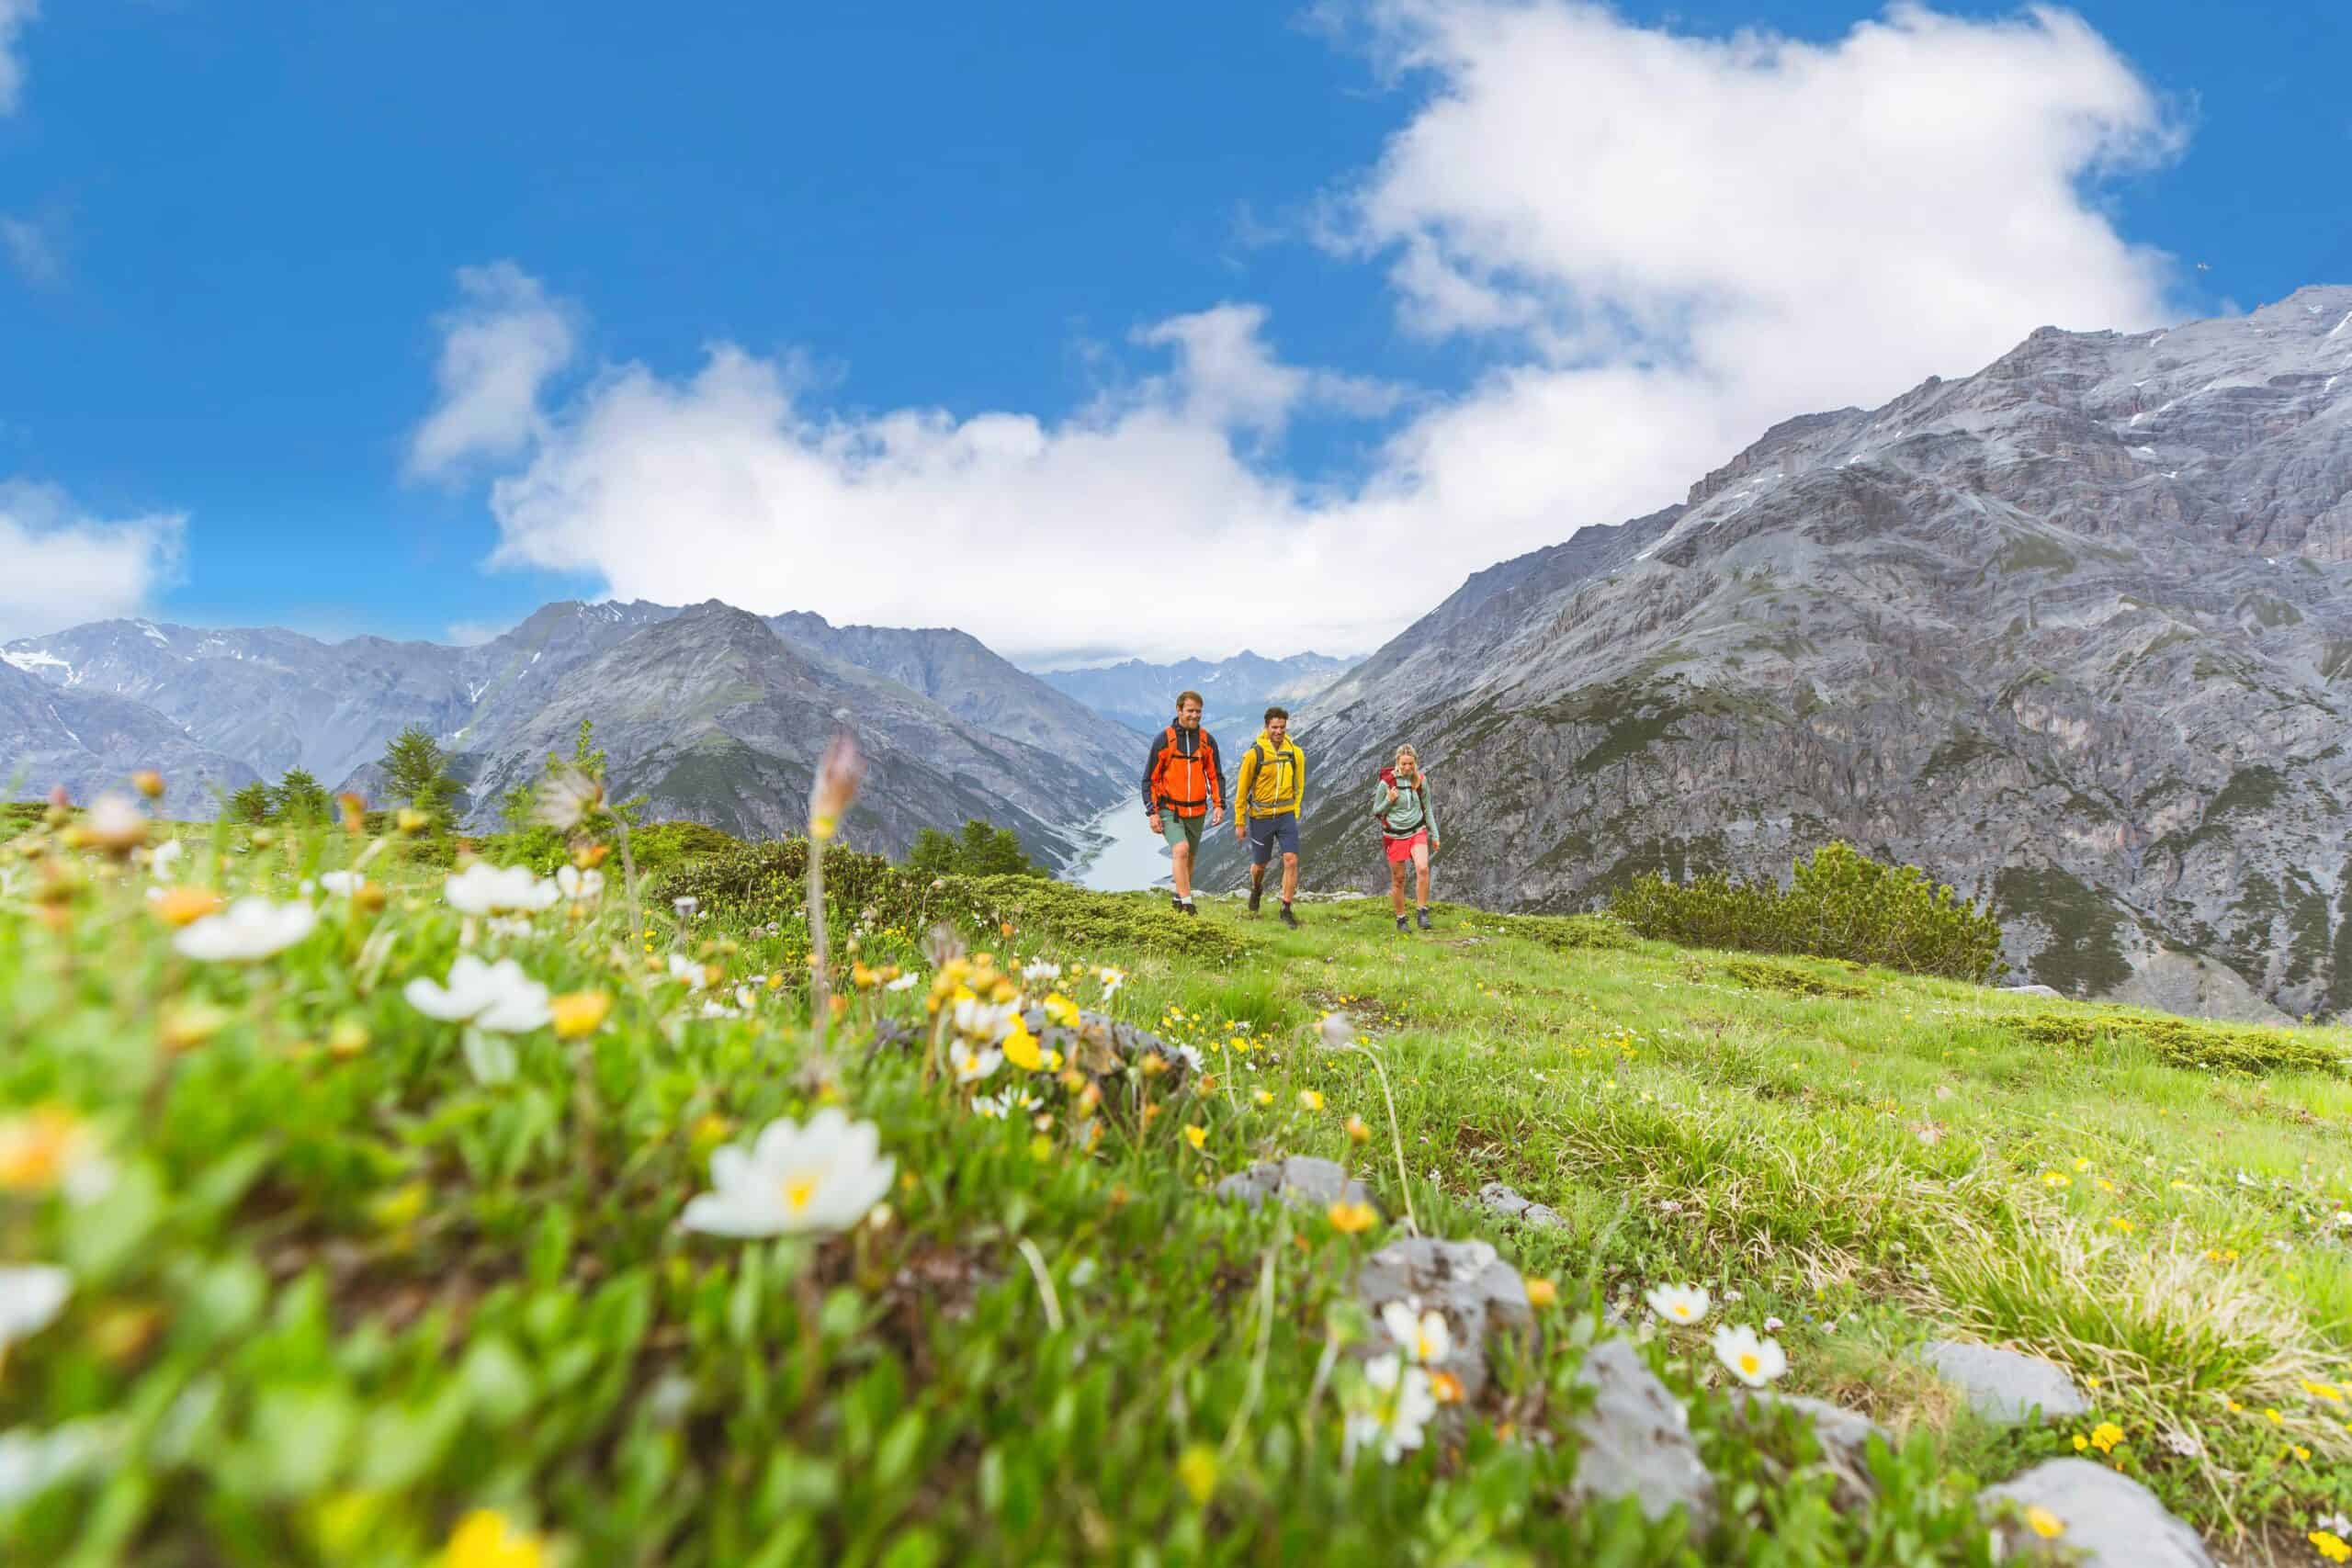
(1478, 1293)
(2111, 1521)
(1637, 1440)
(1844, 1435)
(2005, 1386)
(1501, 1200)
(2034, 991)
(1301, 1181)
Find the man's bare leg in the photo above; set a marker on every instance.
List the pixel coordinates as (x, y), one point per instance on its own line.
(1182, 855)
(1290, 876)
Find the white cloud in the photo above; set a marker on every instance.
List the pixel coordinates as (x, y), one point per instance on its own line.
(32, 249)
(14, 17)
(498, 350)
(474, 634)
(1664, 243)
(59, 566)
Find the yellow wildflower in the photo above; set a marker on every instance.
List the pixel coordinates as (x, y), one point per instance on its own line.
(1020, 1048)
(1310, 1099)
(2331, 1546)
(1353, 1218)
(2105, 1436)
(1357, 1131)
(184, 905)
(577, 1014)
(1542, 1292)
(1196, 1135)
(1197, 1470)
(2327, 1390)
(484, 1539)
(2044, 1523)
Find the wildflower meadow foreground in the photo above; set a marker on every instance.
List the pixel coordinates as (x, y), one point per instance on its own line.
(366, 1201)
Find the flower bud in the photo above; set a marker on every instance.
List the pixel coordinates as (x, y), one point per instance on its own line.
(149, 783)
(838, 775)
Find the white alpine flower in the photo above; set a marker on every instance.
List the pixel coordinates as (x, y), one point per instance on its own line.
(824, 1177)
(485, 889)
(1339, 1031)
(32, 1462)
(1401, 1404)
(1424, 1337)
(249, 928)
(972, 1065)
(1752, 1361)
(496, 998)
(977, 1020)
(903, 983)
(1679, 1303)
(342, 884)
(580, 887)
(31, 1295)
(688, 970)
(163, 860)
(1112, 980)
(1041, 971)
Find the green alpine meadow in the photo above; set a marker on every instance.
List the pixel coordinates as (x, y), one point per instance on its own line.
(372, 1196)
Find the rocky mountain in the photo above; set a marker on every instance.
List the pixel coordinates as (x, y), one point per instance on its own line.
(91, 741)
(720, 719)
(963, 675)
(979, 736)
(2075, 633)
(1235, 693)
(277, 699)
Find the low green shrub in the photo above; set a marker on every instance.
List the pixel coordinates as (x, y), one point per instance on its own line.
(2247, 1049)
(1566, 933)
(1087, 921)
(1788, 980)
(1840, 904)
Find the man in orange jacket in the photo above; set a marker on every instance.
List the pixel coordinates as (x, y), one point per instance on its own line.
(1182, 782)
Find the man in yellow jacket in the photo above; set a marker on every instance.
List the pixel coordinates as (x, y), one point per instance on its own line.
(1266, 797)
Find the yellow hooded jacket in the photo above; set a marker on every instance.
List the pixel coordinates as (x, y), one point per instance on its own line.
(1272, 780)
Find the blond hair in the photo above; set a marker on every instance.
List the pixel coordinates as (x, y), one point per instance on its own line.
(1404, 751)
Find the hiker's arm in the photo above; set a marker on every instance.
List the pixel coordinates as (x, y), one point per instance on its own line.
(1216, 784)
(1241, 779)
(1428, 809)
(1150, 770)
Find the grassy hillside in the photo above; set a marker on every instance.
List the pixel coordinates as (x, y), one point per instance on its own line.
(348, 1282)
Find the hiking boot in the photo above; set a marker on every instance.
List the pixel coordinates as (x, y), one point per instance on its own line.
(1401, 926)
(1175, 903)
(1190, 908)
(1288, 919)
(1257, 891)
(1425, 917)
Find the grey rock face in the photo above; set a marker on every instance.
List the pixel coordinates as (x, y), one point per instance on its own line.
(1235, 693)
(2006, 1386)
(954, 730)
(718, 720)
(1301, 1181)
(1637, 1440)
(1467, 1281)
(1501, 1200)
(2074, 632)
(2111, 1521)
(92, 742)
(2033, 991)
(1844, 1435)
(960, 673)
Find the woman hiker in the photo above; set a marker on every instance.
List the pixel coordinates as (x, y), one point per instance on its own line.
(1408, 817)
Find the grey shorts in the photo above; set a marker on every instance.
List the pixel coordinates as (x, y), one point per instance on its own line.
(1185, 830)
(1267, 833)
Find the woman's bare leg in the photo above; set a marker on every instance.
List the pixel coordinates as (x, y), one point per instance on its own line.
(1420, 876)
(1397, 887)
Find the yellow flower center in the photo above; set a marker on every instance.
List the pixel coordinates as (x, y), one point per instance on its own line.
(798, 1190)
(1750, 1363)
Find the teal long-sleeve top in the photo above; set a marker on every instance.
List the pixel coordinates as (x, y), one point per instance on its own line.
(1414, 810)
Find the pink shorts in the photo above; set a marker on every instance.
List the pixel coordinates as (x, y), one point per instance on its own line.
(1401, 850)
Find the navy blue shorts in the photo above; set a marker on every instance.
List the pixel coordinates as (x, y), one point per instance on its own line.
(1266, 832)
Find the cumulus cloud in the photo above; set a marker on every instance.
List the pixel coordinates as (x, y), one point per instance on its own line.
(14, 17)
(1661, 243)
(33, 250)
(498, 348)
(59, 566)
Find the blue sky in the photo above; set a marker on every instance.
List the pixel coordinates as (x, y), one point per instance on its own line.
(231, 241)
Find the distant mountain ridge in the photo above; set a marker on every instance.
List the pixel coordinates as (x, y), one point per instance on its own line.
(2075, 633)
(1236, 692)
(979, 735)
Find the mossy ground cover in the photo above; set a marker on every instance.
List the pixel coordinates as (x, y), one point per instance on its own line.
(343, 1274)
